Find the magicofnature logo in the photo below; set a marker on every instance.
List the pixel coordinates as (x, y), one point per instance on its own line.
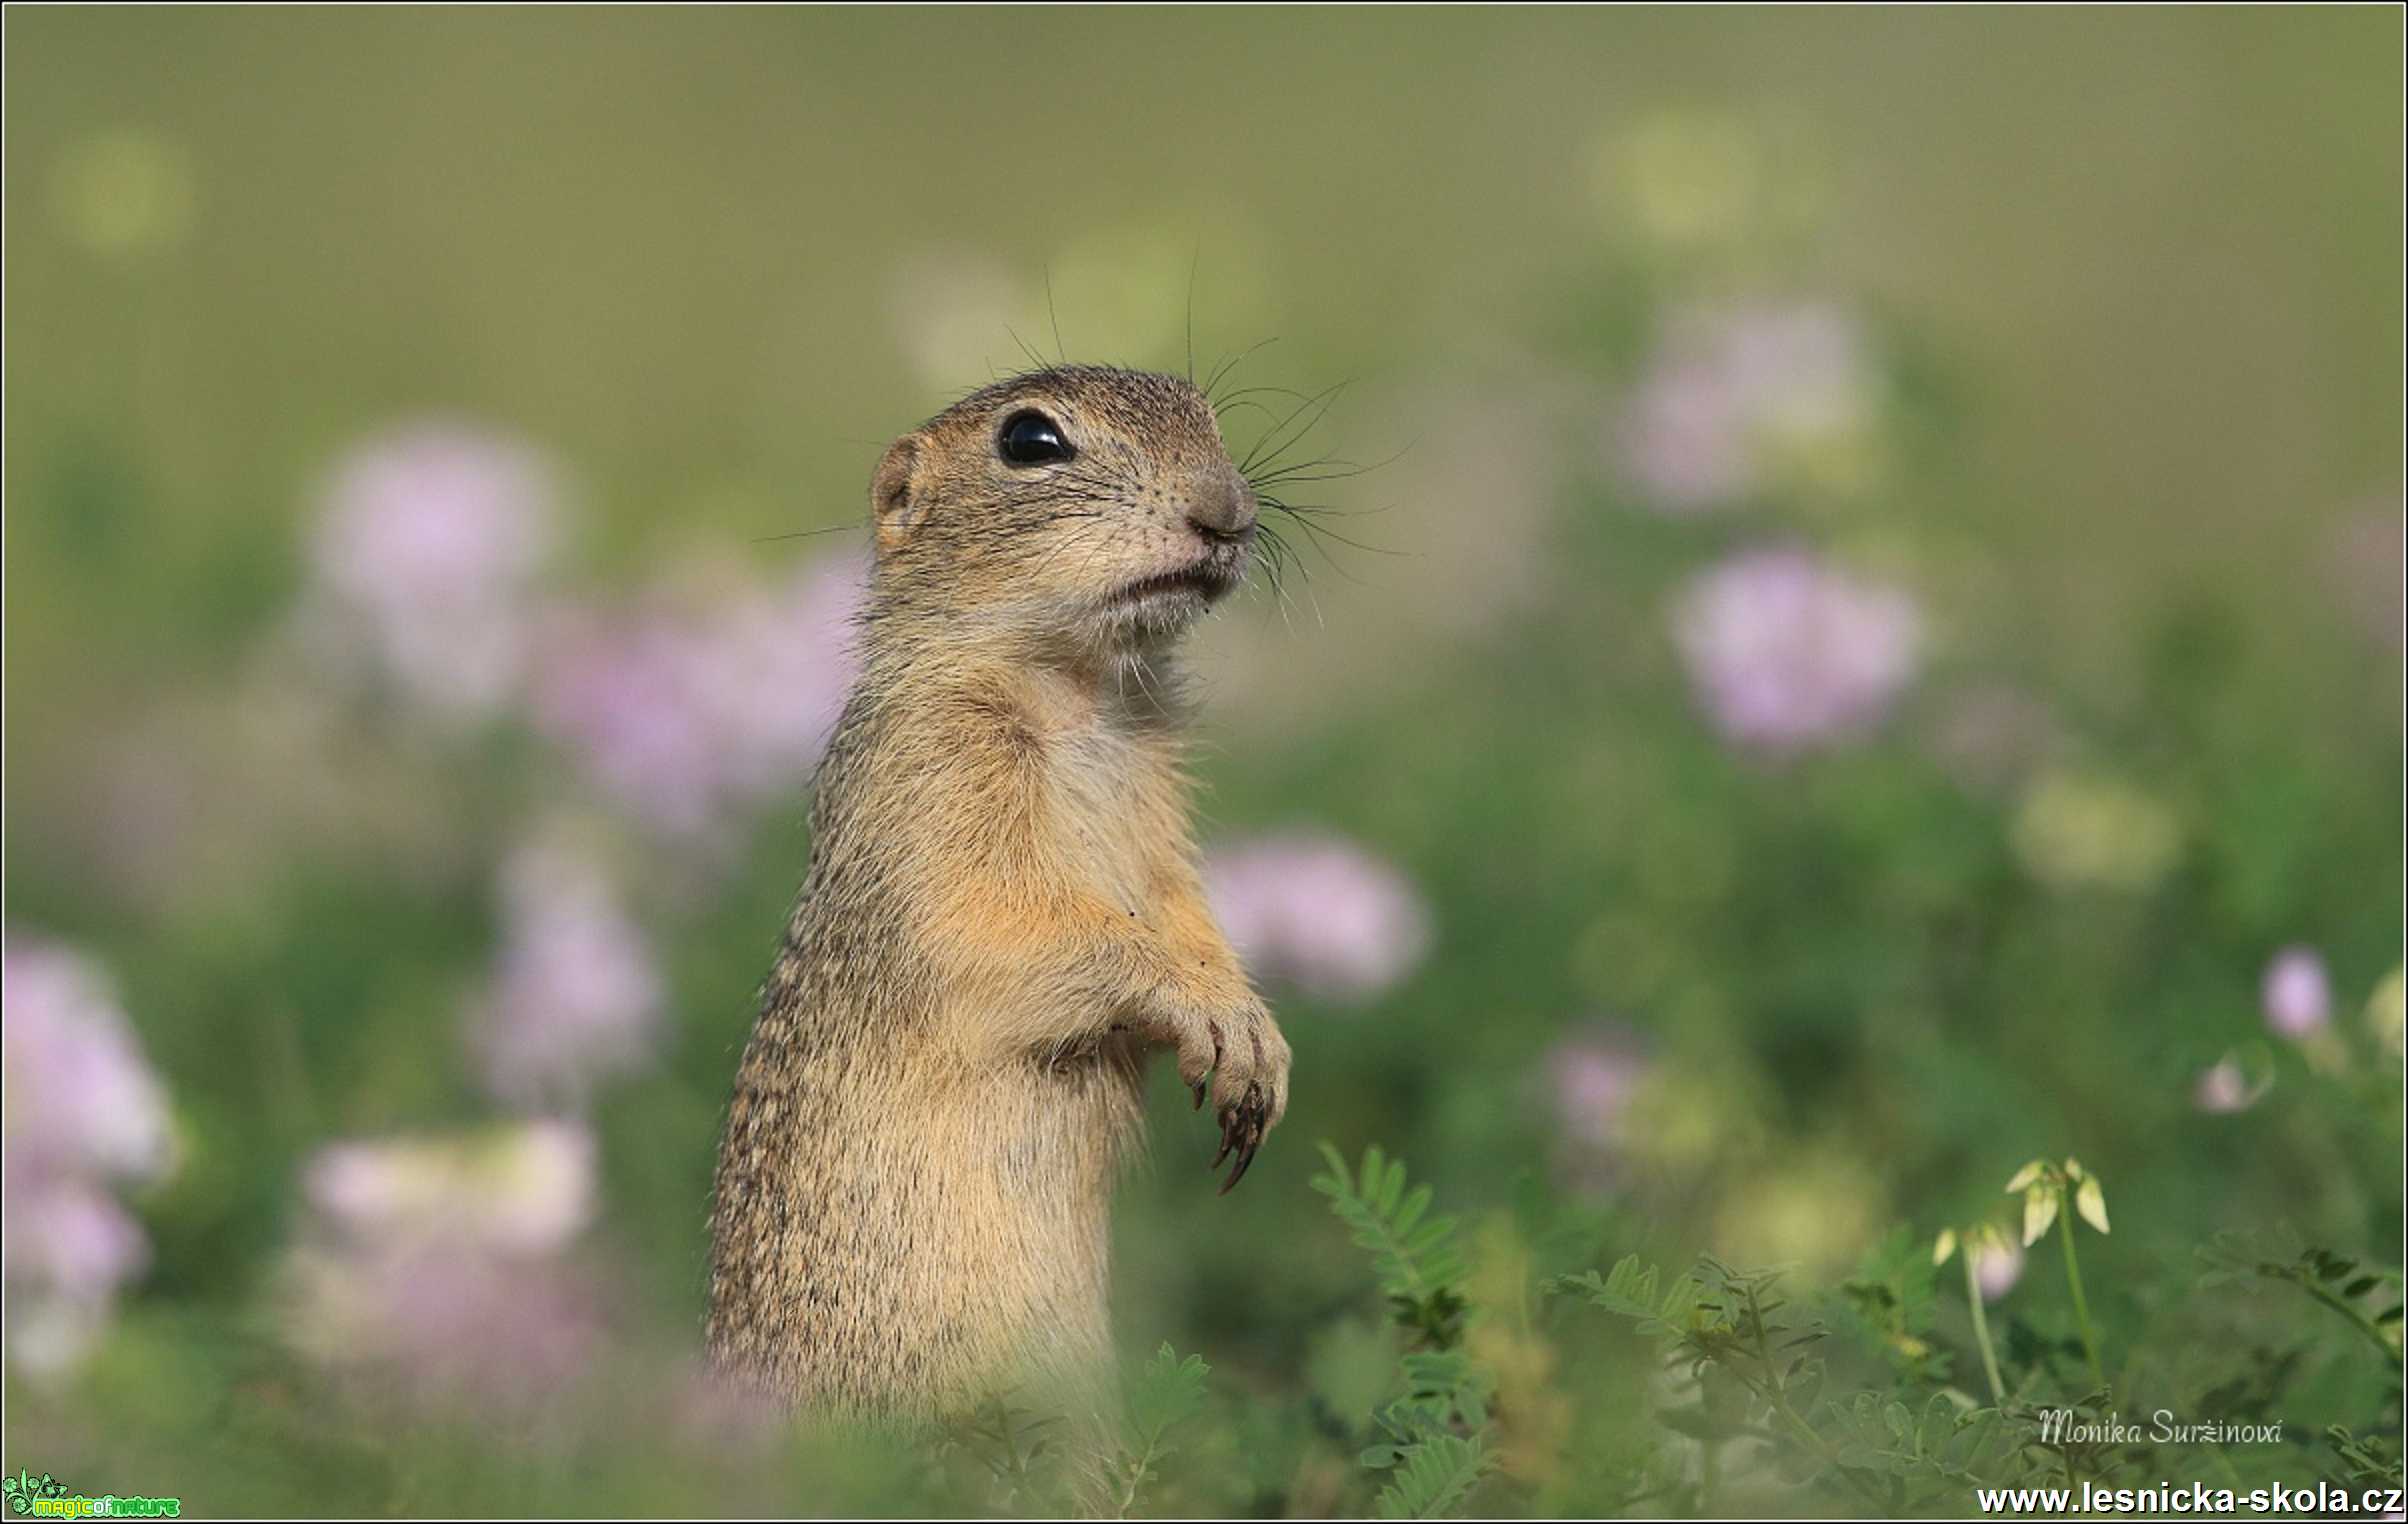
(47, 1497)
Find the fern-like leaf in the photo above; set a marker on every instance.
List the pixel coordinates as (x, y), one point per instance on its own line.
(1433, 1479)
(1414, 1257)
(1631, 1290)
(1166, 1393)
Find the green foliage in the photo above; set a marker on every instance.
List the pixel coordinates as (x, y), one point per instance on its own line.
(2368, 1460)
(1166, 1393)
(1757, 1381)
(1911, 1443)
(1433, 1478)
(1629, 1290)
(1891, 1302)
(1414, 1257)
(1445, 1393)
(2366, 1296)
(1927, 1459)
(1021, 1450)
(1431, 1440)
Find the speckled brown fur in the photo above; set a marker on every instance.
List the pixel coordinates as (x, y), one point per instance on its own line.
(1001, 919)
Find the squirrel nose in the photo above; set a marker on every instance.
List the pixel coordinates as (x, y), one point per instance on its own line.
(1223, 510)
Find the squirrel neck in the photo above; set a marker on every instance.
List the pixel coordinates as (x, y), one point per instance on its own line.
(1056, 682)
(930, 699)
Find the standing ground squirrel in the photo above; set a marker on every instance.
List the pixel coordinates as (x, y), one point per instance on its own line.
(1001, 917)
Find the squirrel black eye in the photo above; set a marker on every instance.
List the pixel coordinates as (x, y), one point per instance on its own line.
(1031, 439)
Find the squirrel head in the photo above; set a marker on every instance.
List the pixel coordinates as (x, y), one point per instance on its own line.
(1082, 504)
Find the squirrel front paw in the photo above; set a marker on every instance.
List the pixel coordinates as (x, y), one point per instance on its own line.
(1236, 1056)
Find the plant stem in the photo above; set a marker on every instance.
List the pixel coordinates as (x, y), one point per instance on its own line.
(1981, 1330)
(1138, 1465)
(1776, 1393)
(1822, 1447)
(2360, 1320)
(2073, 1279)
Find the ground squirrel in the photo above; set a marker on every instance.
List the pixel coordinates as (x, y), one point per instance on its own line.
(1002, 915)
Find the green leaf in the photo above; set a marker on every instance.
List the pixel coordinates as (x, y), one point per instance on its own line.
(1167, 1392)
(1432, 1481)
(1631, 1290)
(1415, 1259)
(1628, 1289)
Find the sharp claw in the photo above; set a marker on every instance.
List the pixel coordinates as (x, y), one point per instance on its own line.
(1244, 1160)
(1248, 1125)
(1228, 1141)
(1200, 1087)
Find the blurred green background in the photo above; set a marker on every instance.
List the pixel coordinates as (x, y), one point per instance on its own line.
(2101, 381)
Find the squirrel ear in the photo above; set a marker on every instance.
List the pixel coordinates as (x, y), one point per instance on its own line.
(895, 506)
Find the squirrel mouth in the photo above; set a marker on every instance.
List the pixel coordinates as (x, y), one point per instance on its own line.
(1206, 580)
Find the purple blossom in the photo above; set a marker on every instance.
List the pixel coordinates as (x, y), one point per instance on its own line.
(83, 1114)
(1786, 652)
(80, 1100)
(70, 1247)
(1318, 913)
(2223, 1088)
(1726, 387)
(1997, 1265)
(441, 1327)
(438, 1268)
(428, 547)
(575, 999)
(2296, 994)
(693, 719)
(1595, 1075)
(525, 1190)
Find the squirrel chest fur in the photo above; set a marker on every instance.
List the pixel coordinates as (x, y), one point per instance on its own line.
(1002, 918)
